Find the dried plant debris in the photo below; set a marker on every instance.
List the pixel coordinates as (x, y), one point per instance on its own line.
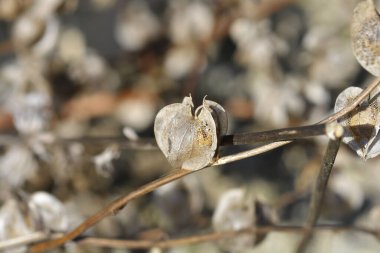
(189, 139)
(103, 161)
(136, 26)
(181, 201)
(190, 22)
(31, 112)
(70, 84)
(17, 165)
(361, 125)
(26, 214)
(365, 29)
(235, 211)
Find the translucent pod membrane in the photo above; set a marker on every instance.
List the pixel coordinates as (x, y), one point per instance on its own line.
(189, 139)
(361, 126)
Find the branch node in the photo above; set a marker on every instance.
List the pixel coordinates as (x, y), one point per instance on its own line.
(334, 131)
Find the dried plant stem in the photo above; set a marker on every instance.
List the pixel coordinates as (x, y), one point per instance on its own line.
(284, 134)
(319, 191)
(121, 141)
(249, 153)
(115, 206)
(227, 140)
(169, 243)
(213, 236)
(118, 204)
(111, 209)
(22, 240)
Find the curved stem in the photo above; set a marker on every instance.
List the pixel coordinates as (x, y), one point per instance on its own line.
(111, 209)
(115, 206)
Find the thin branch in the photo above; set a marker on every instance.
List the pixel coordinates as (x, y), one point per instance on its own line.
(115, 206)
(285, 134)
(320, 188)
(118, 204)
(249, 153)
(111, 209)
(214, 236)
(323, 177)
(23, 240)
(290, 197)
(169, 243)
(121, 141)
(229, 139)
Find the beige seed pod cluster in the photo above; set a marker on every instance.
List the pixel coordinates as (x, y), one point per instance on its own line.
(365, 30)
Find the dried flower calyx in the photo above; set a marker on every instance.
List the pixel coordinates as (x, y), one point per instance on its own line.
(189, 139)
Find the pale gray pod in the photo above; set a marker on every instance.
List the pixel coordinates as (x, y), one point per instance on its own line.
(361, 126)
(365, 36)
(189, 141)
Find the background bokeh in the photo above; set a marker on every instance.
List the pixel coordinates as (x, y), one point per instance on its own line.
(78, 79)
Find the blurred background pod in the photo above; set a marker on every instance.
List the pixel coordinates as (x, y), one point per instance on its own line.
(365, 28)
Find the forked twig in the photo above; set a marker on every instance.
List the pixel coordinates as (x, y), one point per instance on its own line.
(118, 204)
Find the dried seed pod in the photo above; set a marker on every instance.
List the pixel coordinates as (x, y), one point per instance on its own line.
(190, 140)
(136, 26)
(362, 125)
(27, 30)
(31, 112)
(235, 211)
(14, 222)
(38, 35)
(365, 29)
(190, 21)
(11, 9)
(48, 210)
